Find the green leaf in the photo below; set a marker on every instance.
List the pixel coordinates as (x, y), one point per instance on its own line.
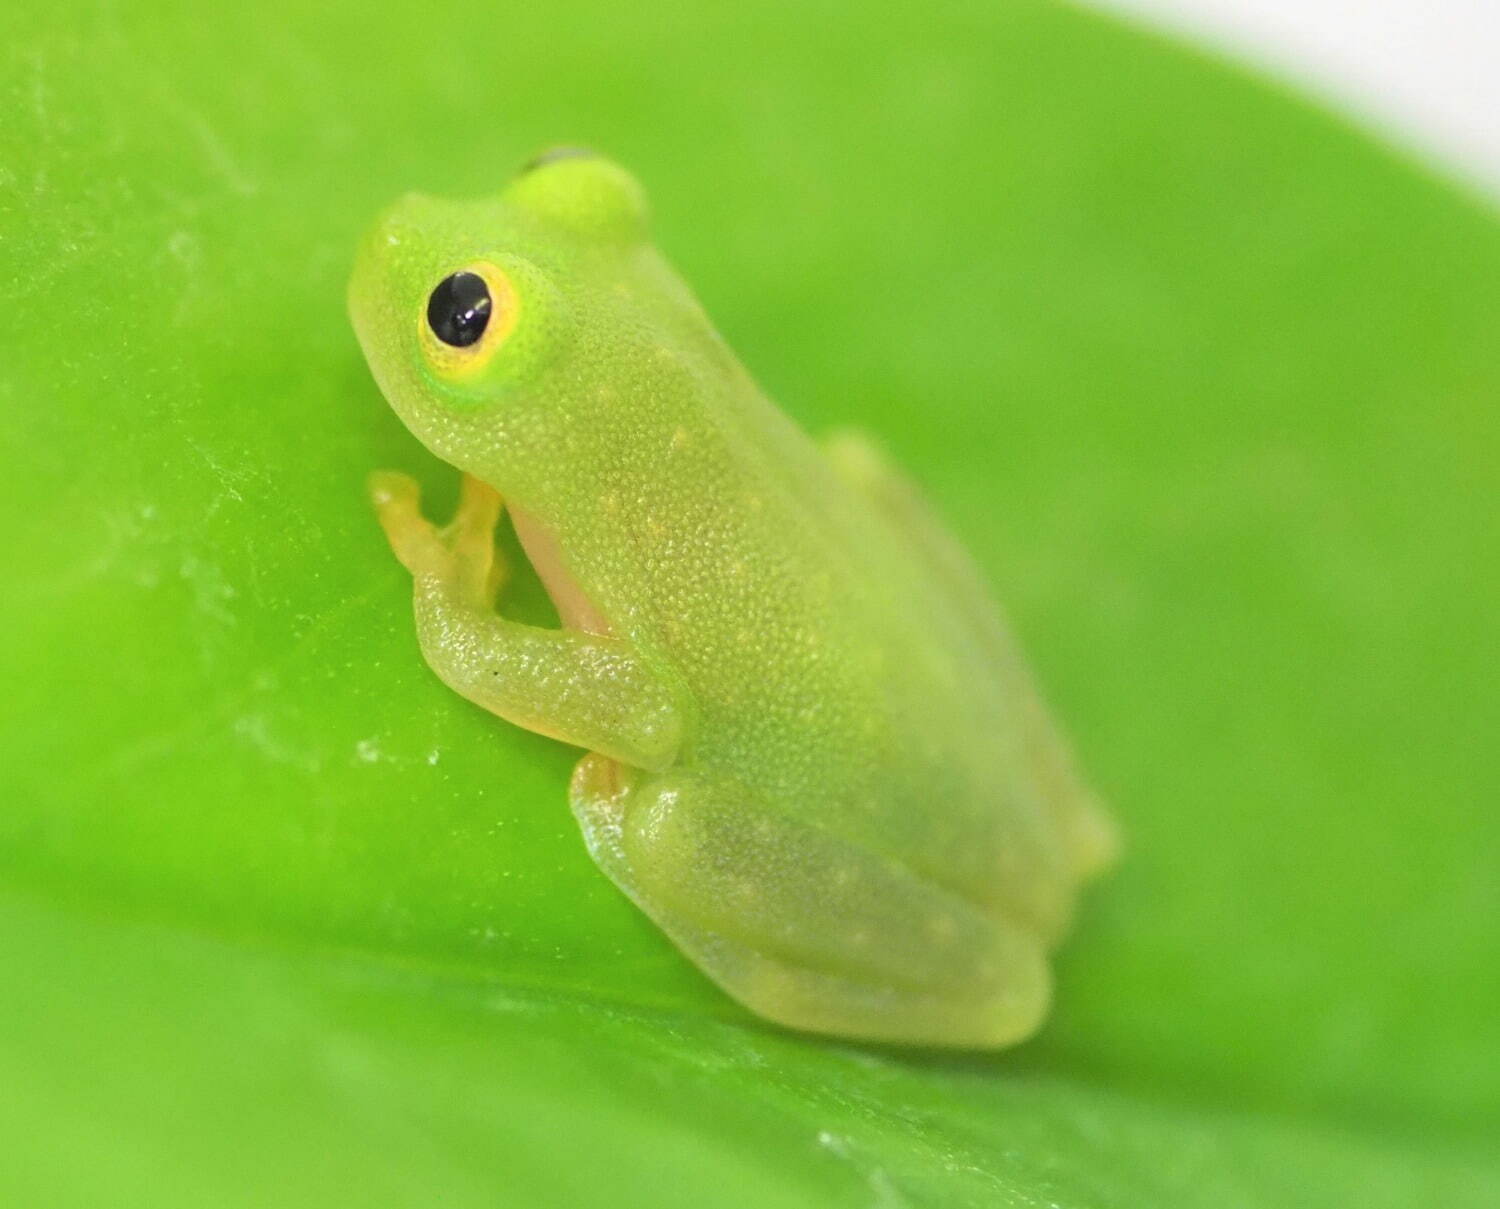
(1206, 380)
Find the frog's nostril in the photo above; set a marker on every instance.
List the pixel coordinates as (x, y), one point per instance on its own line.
(561, 152)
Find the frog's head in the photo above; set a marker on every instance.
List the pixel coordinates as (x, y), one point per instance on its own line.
(506, 332)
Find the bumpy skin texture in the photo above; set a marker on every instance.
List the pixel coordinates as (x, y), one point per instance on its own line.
(817, 760)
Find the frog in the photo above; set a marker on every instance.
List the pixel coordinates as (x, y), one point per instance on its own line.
(813, 753)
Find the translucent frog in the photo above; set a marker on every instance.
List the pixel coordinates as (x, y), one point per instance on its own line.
(815, 757)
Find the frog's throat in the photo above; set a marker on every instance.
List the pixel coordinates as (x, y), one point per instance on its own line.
(574, 608)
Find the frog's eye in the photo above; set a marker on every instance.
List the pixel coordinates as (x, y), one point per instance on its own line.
(577, 190)
(458, 311)
(553, 154)
(468, 315)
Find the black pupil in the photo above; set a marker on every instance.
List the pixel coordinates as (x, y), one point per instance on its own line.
(459, 309)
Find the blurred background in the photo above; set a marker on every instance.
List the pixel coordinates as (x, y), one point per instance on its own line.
(1424, 73)
(1192, 344)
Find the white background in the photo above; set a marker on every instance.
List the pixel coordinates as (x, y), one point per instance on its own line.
(1426, 72)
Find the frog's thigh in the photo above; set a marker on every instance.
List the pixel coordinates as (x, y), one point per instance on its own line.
(801, 928)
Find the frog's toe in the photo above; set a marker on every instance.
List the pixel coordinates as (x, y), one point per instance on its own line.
(414, 539)
(470, 538)
(460, 555)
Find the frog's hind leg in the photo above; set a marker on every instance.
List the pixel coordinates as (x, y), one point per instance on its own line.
(802, 928)
(1092, 836)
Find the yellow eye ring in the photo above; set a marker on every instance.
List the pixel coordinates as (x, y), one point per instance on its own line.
(466, 318)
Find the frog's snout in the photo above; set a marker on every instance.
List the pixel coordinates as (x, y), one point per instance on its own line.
(389, 242)
(397, 232)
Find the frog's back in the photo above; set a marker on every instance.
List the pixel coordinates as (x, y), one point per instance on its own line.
(849, 672)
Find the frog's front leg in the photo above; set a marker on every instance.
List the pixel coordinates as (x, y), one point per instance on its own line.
(591, 690)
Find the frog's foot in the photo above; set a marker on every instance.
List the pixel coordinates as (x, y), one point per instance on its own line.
(802, 928)
(461, 555)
